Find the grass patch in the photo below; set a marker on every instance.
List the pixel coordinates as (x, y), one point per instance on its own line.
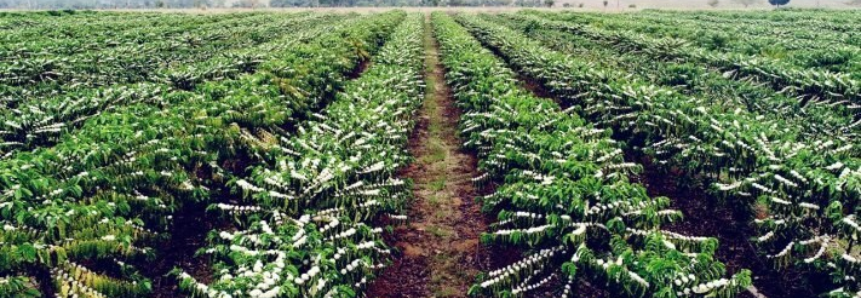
(441, 214)
(439, 232)
(438, 184)
(436, 152)
(434, 201)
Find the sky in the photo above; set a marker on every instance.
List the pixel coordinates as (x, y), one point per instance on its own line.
(701, 4)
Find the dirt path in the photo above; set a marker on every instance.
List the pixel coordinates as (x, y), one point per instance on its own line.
(440, 253)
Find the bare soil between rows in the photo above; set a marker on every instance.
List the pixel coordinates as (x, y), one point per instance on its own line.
(439, 252)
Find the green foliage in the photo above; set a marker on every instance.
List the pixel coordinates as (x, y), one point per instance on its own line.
(18, 287)
(107, 191)
(564, 194)
(331, 246)
(744, 151)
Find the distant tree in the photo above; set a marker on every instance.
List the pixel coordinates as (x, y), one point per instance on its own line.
(713, 3)
(746, 3)
(549, 3)
(580, 5)
(632, 6)
(605, 3)
(778, 3)
(247, 3)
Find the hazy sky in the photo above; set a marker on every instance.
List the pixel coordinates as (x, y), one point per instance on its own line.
(700, 4)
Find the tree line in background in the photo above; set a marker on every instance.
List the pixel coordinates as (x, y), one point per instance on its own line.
(106, 4)
(133, 4)
(137, 4)
(313, 3)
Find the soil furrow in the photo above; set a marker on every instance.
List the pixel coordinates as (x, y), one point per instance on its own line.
(439, 253)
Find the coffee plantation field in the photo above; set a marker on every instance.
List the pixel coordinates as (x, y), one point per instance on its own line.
(529, 153)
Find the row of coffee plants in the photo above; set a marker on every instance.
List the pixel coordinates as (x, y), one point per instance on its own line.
(564, 193)
(136, 59)
(846, 21)
(39, 35)
(809, 189)
(806, 47)
(180, 61)
(211, 50)
(87, 212)
(45, 120)
(312, 216)
(814, 119)
(803, 118)
(812, 83)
